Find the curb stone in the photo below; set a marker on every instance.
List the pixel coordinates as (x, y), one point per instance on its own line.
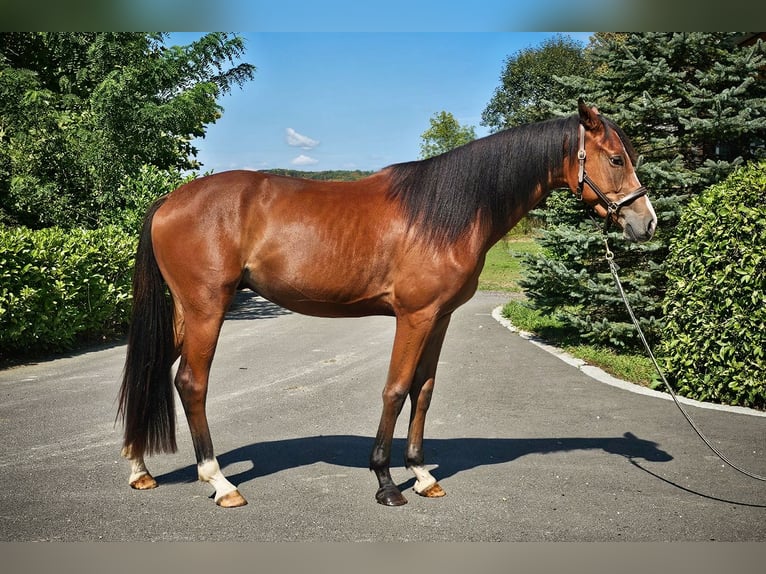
(604, 377)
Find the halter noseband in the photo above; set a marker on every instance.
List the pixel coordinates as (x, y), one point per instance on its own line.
(612, 207)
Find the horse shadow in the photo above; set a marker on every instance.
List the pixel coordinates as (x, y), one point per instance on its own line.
(453, 455)
(249, 305)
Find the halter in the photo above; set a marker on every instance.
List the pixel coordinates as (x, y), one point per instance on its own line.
(612, 207)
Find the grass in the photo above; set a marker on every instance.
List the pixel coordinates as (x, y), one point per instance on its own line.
(627, 366)
(503, 270)
(503, 267)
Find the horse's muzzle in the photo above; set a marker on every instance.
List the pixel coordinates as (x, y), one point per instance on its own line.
(638, 229)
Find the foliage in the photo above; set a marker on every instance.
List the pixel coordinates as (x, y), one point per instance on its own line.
(715, 336)
(445, 133)
(81, 112)
(59, 287)
(693, 105)
(138, 193)
(526, 87)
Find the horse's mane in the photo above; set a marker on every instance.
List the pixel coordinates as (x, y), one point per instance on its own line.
(443, 194)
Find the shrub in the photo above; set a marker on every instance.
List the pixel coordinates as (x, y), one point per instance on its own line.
(60, 287)
(715, 307)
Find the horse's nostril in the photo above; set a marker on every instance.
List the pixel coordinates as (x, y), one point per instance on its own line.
(651, 227)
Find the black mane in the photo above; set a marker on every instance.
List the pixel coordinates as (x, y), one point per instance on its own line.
(443, 194)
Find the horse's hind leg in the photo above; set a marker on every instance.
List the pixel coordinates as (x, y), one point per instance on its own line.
(420, 398)
(140, 479)
(200, 339)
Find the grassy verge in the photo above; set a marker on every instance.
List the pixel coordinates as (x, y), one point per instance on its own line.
(631, 367)
(502, 272)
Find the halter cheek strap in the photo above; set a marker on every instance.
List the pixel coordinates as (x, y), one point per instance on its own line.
(612, 207)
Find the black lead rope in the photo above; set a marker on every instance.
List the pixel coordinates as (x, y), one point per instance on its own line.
(613, 268)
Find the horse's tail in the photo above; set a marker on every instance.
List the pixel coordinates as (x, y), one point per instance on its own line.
(146, 401)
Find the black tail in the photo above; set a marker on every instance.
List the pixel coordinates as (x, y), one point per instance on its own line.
(146, 396)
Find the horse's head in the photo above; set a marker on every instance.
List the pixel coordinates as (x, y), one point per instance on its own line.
(606, 176)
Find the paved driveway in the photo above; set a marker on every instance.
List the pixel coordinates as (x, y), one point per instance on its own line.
(528, 448)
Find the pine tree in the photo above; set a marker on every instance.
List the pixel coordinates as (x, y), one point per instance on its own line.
(694, 104)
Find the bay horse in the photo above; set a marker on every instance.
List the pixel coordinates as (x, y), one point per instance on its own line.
(408, 241)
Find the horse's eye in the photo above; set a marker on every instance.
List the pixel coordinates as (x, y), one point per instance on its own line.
(617, 161)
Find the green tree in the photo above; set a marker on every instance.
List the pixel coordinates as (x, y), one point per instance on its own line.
(444, 134)
(694, 104)
(81, 112)
(527, 85)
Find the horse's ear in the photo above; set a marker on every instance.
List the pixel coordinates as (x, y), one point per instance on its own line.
(588, 116)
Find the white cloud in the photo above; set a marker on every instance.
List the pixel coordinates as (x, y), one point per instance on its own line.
(299, 140)
(304, 160)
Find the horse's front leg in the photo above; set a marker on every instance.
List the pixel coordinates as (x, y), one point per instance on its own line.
(191, 382)
(412, 332)
(420, 399)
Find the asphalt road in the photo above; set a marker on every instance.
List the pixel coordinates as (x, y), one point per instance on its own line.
(527, 447)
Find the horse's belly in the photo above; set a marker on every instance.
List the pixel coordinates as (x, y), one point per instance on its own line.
(324, 290)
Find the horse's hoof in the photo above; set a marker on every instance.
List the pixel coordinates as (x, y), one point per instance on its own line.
(433, 491)
(390, 497)
(232, 500)
(144, 482)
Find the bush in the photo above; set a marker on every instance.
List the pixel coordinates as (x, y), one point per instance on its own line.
(715, 307)
(61, 287)
(136, 193)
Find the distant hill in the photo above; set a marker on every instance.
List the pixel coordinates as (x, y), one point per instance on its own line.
(331, 175)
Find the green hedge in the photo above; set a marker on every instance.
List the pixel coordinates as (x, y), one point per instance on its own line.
(60, 287)
(715, 306)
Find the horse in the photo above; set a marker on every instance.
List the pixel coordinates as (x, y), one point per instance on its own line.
(408, 241)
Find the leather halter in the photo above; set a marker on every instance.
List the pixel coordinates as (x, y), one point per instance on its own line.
(612, 207)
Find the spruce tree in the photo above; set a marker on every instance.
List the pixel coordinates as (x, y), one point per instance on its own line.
(694, 106)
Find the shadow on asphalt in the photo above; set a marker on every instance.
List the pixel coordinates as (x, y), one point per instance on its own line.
(452, 455)
(249, 305)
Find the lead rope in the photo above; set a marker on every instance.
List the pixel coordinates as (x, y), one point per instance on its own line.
(613, 268)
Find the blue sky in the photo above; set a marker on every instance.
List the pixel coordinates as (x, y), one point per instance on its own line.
(379, 15)
(325, 101)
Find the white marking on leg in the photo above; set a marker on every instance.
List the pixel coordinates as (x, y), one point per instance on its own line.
(209, 471)
(424, 479)
(137, 466)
